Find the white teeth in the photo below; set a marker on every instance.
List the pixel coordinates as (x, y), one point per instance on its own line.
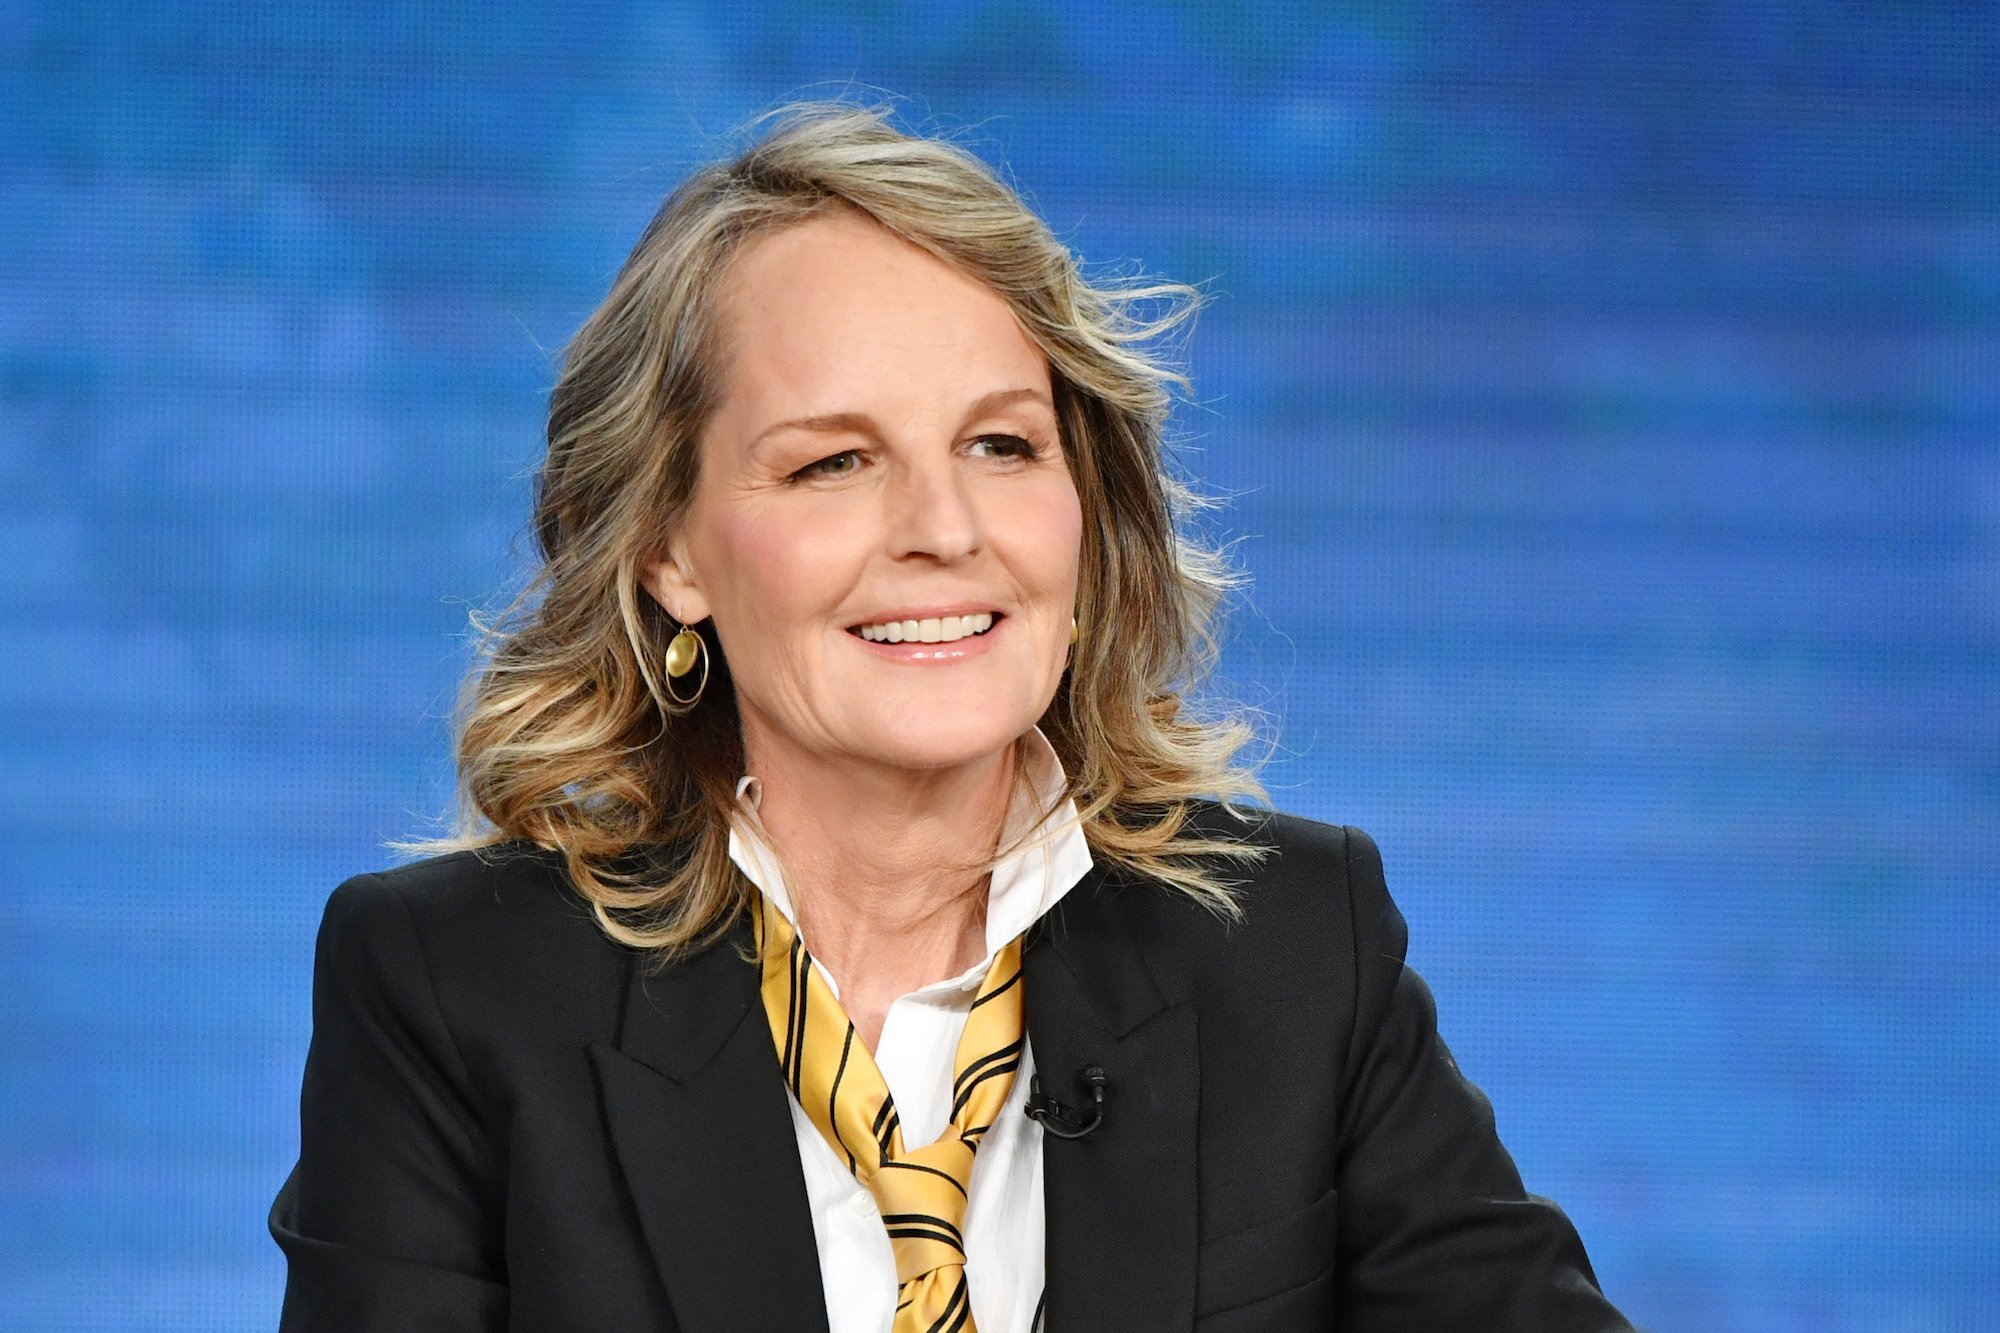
(935, 629)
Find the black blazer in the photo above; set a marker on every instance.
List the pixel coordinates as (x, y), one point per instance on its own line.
(507, 1123)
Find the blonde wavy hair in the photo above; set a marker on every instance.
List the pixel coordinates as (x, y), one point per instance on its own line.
(567, 736)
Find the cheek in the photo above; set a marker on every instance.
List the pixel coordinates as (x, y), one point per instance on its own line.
(1053, 540)
(773, 570)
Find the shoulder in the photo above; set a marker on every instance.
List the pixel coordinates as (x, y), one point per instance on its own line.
(1309, 958)
(499, 900)
(488, 936)
(1293, 844)
(1312, 896)
(1306, 870)
(1296, 844)
(509, 886)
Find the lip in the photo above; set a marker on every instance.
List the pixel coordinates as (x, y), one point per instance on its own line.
(933, 654)
(928, 612)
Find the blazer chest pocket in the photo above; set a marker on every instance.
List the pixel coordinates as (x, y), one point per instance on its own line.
(1266, 1259)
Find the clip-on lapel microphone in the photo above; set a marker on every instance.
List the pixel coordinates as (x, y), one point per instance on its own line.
(1060, 1120)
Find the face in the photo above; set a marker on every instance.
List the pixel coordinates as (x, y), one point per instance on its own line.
(884, 529)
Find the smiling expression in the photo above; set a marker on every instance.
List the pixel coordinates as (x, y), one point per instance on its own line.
(884, 529)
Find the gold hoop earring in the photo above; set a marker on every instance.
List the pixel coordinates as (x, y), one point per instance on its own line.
(684, 651)
(1072, 631)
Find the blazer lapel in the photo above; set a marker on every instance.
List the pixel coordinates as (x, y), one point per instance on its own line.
(701, 1124)
(1122, 1229)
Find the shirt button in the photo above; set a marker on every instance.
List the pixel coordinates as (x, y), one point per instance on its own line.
(862, 1204)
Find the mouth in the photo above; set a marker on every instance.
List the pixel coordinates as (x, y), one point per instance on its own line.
(928, 629)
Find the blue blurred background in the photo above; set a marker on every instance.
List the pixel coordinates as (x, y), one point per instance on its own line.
(1609, 397)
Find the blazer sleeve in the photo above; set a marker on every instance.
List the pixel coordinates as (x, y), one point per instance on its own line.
(1436, 1229)
(389, 1221)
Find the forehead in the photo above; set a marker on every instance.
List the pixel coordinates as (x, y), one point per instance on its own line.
(837, 314)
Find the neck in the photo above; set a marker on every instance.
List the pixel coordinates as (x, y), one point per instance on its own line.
(885, 867)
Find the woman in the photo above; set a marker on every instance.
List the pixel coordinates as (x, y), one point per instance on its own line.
(838, 828)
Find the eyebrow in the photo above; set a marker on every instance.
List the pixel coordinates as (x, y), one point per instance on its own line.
(863, 423)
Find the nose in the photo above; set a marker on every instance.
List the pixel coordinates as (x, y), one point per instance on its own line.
(932, 513)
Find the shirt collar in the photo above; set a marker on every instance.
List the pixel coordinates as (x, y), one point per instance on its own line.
(1050, 854)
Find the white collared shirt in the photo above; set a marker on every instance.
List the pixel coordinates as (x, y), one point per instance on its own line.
(919, 1041)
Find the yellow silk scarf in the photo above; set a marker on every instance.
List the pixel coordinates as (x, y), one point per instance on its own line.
(922, 1192)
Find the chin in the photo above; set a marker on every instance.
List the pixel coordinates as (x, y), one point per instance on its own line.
(939, 739)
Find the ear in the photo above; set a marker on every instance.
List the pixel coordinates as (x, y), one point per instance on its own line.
(672, 583)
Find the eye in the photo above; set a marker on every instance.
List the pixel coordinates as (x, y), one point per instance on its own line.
(1005, 446)
(833, 465)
